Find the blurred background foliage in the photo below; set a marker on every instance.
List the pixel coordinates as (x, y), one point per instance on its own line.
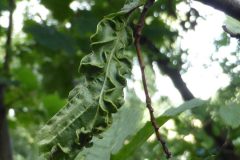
(45, 57)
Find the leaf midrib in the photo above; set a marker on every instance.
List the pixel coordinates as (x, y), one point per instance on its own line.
(107, 71)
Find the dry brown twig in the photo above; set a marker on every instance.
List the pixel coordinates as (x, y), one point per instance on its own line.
(137, 36)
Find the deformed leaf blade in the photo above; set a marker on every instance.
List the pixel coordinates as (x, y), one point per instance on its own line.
(98, 95)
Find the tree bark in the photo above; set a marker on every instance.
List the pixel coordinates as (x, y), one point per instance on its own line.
(229, 7)
(5, 144)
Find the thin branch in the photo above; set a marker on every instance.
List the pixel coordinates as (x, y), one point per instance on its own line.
(137, 36)
(164, 62)
(232, 34)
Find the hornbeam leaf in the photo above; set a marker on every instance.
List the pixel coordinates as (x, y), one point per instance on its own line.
(98, 94)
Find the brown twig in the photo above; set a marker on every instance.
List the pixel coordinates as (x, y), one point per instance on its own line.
(232, 34)
(137, 36)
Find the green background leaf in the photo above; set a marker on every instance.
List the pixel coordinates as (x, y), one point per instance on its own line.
(145, 132)
(230, 114)
(125, 124)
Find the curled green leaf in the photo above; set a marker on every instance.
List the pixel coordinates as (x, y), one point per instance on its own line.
(98, 94)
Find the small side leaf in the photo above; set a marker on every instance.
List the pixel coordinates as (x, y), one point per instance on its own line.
(132, 4)
(230, 115)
